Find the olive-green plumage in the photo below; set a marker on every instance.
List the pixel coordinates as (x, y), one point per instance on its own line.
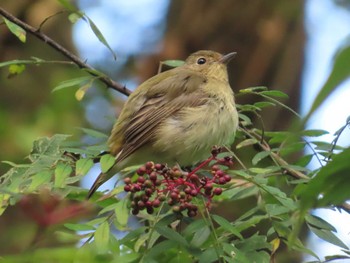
(176, 116)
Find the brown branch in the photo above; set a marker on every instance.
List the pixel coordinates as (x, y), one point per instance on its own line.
(75, 59)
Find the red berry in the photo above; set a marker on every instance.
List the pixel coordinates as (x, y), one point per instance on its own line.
(149, 165)
(219, 173)
(227, 178)
(127, 180)
(217, 191)
(127, 188)
(222, 180)
(153, 176)
(141, 171)
(156, 203)
(191, 213)
(141, 179)
(194, 192)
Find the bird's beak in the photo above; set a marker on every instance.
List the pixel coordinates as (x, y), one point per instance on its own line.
(227, 58)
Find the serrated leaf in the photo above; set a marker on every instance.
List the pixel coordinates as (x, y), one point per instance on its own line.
(16, 69)
(173, 63)
(328, 236)
(274, 93)
(83, 166)
(19, 32)
(246, 143)
(62, 171)
(259, 156)
(101, 238)
(100, 36)
(107, 161)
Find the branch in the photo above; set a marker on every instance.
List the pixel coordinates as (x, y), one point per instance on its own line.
(75, 59)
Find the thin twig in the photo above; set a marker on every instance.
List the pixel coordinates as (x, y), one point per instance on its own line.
(80, 63)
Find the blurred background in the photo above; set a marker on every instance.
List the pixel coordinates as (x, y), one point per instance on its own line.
(282, 44)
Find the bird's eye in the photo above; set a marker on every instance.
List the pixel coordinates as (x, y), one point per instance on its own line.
(201, 61)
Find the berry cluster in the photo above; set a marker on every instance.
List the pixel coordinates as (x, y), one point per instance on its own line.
(156, 183)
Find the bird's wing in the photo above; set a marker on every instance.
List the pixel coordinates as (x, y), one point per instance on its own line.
(164, 99)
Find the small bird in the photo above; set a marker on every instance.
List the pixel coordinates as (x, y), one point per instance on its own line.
(177, 116)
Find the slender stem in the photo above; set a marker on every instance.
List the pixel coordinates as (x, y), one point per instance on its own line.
(72, 57)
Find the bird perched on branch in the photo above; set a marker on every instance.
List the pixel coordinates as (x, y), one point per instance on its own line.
(176, 116)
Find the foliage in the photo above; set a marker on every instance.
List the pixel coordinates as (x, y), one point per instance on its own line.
(276, 180)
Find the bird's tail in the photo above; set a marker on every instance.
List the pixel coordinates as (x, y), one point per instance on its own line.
(101, 179)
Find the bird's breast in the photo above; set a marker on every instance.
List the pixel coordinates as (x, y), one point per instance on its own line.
(190, 134)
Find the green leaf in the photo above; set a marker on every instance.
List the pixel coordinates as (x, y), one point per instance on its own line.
(83, 166)
(122, 212)
(331, 185)
(62, 171)
(328, 236)
(107, 161)
(173, 63)
(200, 236)
(253, 89)
(101, 238)
(79, 227)
(314, 133)
(259, 156)
(226, 225)
(340, 72)
(16, 69)
(74, 17)
(246, 143)
(274, 93)
(19, 32)
(171, 235)
(67, 4)
(318, 222)
(94, 133)
(73, 82)
(99, 35)
(39, 179)
(264, 104)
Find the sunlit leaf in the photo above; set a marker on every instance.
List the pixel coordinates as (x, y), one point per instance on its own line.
(73, 82)
(19, 32)
(83, 166)
(246, 142)
(173, 63)
(274, 93)
(101, 238)
(79, 227)
(15, 69)
(62, 171)
(319, 222)
(107, 161)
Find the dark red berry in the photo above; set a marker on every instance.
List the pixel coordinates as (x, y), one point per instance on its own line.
(127, 188)
(127, 180)
(149, 165)
(150, 210)
(135, 211)
(156, 203)
(191, 213)
(158, 166)
(227, 178)
(141, 179)
(141, 171)
(217, 191)
(219, 173)
(153, 176)
(194, 192)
